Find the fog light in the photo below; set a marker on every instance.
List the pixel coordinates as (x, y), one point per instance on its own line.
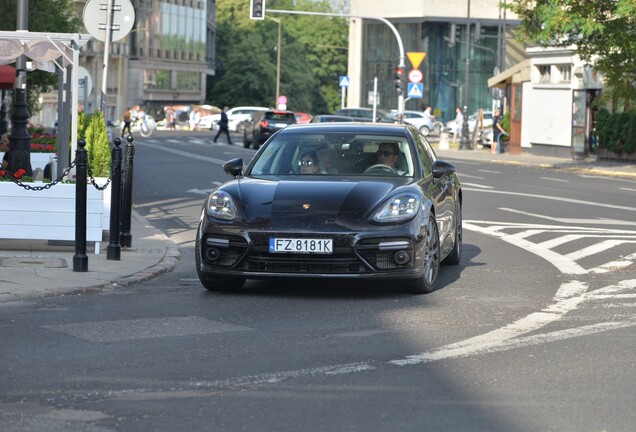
(212, 254)
(402, 257)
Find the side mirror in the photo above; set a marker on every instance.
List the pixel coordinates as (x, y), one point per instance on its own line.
(442, 168)
(234, 167)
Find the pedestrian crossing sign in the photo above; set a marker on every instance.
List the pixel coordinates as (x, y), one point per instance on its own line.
(415, 90)
(344, 81)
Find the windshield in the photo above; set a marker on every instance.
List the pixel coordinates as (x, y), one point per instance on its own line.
(335, 154)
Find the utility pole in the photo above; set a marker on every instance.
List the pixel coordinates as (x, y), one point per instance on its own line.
(464, 143)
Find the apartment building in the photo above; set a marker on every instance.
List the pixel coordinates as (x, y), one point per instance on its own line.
(441, 29)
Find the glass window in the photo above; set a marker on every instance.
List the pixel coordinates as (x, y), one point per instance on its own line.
(544, 74)
(565, 73)
(335, 154)
(188, 81)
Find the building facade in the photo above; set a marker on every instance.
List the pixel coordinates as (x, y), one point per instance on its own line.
(465, 44)
(163, 61)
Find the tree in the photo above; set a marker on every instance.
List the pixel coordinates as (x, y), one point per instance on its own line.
(313, 56)
(52, 16)
(603, 33)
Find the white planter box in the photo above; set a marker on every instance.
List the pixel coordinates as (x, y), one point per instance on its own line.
(48, 214)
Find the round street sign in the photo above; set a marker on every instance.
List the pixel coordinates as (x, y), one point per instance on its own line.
(282, 99)
(95, 19)
(416, 76)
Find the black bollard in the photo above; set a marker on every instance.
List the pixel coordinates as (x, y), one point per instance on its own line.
(80, 259)
(113, 252)
(126, 237)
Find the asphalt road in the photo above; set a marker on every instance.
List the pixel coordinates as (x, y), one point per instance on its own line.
(533, 331)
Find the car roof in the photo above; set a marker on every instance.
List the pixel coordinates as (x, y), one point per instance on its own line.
(352, 127)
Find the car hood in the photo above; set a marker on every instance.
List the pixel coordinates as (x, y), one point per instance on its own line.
(313, 205)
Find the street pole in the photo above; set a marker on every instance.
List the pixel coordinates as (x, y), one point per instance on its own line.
(402, 61)
(278, 49)
(464, 143)
(107, 42)
(20, 112)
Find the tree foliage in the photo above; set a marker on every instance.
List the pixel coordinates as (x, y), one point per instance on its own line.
(49, 16)
(313, 56)
(603, 33)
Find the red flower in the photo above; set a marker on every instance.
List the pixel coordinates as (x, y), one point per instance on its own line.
(49, 148)
(19, 173)
(2, 173)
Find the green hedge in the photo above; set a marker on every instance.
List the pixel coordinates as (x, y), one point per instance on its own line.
(92, 128)
(616, 131)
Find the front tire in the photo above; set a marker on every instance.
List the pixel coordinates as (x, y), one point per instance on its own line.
(424, 130)
(426, 284)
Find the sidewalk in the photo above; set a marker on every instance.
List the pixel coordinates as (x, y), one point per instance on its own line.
(37, 268)
(590, 165)
(33, 268)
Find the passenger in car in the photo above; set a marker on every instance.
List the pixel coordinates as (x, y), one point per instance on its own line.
(308, 163)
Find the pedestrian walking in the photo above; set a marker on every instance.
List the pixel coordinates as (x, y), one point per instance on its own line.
(223, 126)
(127, 119)
(459, 124)
(497, 133)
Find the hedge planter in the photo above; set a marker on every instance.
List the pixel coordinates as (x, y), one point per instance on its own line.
(610, 155)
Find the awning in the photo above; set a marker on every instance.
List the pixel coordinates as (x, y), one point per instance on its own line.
(508, 76)
(7, 77)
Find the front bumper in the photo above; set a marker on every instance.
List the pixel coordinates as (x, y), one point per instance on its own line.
(397, 254)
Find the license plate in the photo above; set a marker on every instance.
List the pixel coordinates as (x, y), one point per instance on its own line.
(301, 245)
(279, 125)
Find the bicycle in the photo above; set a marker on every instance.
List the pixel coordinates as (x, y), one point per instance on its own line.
(145, 126)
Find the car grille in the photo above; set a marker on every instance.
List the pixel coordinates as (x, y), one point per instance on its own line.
(368, 256)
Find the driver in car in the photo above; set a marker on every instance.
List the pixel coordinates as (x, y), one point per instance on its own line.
(388, 155)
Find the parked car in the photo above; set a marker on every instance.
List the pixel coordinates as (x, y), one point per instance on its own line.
(263, 124)
(302, 117)
(349, 218)
(366, 115)
(472, 120)
(419, 119)
(322, 118)
(236, 118)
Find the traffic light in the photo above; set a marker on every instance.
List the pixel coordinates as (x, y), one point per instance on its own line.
(399, 80)
(257, 9)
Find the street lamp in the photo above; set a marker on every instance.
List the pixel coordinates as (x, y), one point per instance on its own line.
(278, 49)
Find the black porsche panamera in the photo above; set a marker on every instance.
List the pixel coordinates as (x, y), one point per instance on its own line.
(336, 200)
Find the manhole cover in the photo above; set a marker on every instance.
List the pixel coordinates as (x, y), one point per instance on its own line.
(33, 262)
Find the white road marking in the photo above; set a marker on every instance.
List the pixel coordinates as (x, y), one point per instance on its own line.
(568, 298)
(477, 185)
(596, 248)
(186, 154)
(554, 179)
(568, 221)
(615, 265)
(628, 189)
(461, 176)
(555, 198)
(566, 264)
(489, 171)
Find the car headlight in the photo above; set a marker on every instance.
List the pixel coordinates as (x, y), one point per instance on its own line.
(221, 205)
(399, 208)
